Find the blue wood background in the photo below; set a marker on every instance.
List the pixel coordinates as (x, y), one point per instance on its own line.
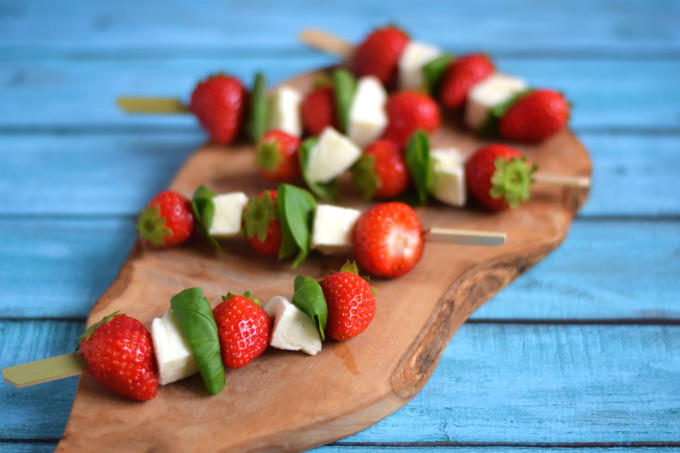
(580, 353)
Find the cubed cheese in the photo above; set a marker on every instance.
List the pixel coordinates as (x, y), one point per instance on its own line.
(411, 62)
(490, 92)
(293, 329)
(174, 356)
(367, 116)
(332, 228)
(284, 111)
(228, 211)
(332, 155)
(448, 176)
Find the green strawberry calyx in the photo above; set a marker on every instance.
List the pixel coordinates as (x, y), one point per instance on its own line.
(512, 180)
(364, 177)
(246, 294)
(151, 225)
(90, 330)
(259, 212)
(267, 155)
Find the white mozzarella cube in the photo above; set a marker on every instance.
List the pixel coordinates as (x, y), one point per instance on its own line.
(448, 176)
(367, 116)
(174, 356)
(411, 62)
(332, 155)
(228, 213)
(332, 228)
(284, 111)
(293, 330)
(490, 92)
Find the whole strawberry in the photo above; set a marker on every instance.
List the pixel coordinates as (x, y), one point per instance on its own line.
(243, 327)
(317, 110)
(388, 240)
(276, 156)
(219, 103)
(119, 353)
(167, 220)
(378, 55)
(381, 172)
(408, 111)
(460, 76)
(350, 302)
(535, 116)
(499, 177)
(261, 223)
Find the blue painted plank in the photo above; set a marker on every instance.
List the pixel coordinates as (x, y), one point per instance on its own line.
(117, 174)
(49, 446)
(77, 94)
(604, 270)
(64, 265)
(505, 384)
(89, 175)
(628, 26)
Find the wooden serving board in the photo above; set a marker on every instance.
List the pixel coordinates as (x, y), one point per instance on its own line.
(288, 401)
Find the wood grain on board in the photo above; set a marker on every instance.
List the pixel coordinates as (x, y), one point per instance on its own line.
(288, 401)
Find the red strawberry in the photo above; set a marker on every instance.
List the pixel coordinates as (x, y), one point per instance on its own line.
(388, 239)
(261, 223)
(119, 353)
(350, 302)
(317, 110)
(276, 156)
(378, 55)
(499, 176)
(167, 220)
(535, 116)
(460, 76)
(243, 327)
(219, 103)
(381, 172)
(408, 111)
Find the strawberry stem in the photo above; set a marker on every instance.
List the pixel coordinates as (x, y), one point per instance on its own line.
(512, 180)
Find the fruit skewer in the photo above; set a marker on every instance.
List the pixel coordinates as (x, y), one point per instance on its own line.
(192, 337)
(493, 103)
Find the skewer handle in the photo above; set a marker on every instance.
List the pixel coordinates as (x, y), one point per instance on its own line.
(573, 181)
(152, 105)
(467, 237)
(45, 370)
(325, 42)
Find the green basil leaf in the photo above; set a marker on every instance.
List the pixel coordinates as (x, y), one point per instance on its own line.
(489, 127)
(196, 320)
(434, 69)
(345, 85)
(308, 297)
(418, 163)
(364, 177)
(325, 191)
(296, 207)
(203, 208)
(259, 108)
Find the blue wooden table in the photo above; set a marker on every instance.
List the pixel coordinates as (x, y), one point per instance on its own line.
(581, 352)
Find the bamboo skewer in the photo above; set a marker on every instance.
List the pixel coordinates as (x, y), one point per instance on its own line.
(560, 180)
(45, 370)
(327, 43)
(152, 105)
(466, 237)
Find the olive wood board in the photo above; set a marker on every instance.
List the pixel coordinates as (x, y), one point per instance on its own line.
(288, 401)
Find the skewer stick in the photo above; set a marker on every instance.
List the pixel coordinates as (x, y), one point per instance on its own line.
(45, 370)
(466, 237)
(560, 180)
(325, 42)
(152, 105)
